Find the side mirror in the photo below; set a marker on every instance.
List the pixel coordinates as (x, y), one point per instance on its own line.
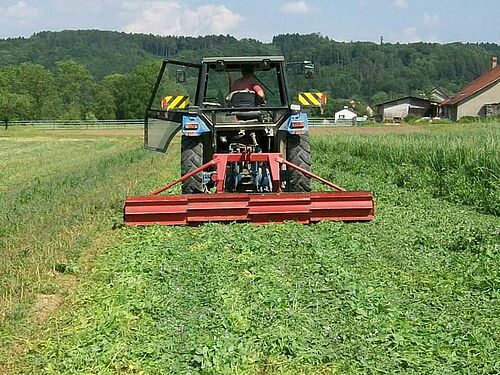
(307, 65)
(220, 66)
(309, 70)
(180, 76)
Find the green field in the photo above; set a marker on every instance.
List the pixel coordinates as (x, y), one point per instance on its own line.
(416, 291)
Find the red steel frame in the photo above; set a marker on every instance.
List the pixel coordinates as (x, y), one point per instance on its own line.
(274, 160)
(193, 209)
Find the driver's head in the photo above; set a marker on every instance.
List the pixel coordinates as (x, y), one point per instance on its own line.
(247, 70)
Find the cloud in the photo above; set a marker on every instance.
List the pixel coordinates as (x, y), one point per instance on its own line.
(432, 21)
(400, 4)
(169, 17)
(297, 7)
(20, 13)
(410, 35)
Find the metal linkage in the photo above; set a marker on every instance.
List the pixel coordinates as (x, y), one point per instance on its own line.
(273, 160)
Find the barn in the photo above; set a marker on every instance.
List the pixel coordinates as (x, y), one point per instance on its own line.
(480, 98)
(399, 109)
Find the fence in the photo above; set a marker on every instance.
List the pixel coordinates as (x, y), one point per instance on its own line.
(80, 124)
(135, 124)
(329, 122)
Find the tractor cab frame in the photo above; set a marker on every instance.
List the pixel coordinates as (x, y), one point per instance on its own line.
(205, 115)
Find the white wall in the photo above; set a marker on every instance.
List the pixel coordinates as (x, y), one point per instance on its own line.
(399, 110)
(474, 106)
(345, 114)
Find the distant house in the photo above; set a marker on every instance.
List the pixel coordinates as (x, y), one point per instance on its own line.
(345, 115)
(370, 111)
(480, 98)
(399, 109)
(439, 95)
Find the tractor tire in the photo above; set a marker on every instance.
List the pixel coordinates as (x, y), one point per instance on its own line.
(299, 153)
(191, 159)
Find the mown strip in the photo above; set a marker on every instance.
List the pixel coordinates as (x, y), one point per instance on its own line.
(26, 161)
(49, 220)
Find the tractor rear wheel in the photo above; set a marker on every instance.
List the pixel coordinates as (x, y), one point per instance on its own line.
(299, 153)
(191, 159)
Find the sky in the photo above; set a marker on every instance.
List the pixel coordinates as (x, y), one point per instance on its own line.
(402, 21)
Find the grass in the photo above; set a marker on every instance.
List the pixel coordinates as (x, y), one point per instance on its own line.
(462, 167)
(59, 198)
(414, 291)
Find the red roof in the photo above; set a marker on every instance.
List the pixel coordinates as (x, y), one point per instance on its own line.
(491, 76)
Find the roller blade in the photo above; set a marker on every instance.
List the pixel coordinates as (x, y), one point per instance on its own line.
(195, 209)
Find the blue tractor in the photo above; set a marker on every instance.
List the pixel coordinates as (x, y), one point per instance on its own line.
(245, 153)
(227, 121)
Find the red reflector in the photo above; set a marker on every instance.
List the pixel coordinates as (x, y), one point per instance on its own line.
(297, 124)
(191, 126)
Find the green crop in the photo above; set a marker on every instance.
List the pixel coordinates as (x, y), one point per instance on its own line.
(462, 167)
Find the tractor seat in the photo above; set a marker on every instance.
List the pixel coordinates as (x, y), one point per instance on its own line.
(244, 99)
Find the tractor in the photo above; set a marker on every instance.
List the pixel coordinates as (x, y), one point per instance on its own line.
(245, 152)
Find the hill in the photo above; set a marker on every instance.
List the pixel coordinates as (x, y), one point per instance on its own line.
(107, 52)
(363, 71)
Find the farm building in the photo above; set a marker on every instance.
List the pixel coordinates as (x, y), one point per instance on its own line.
(439, 95)
(345, 115)
(399, 109)
(480, 98)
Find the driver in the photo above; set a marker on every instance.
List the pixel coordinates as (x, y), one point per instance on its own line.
(248, 81)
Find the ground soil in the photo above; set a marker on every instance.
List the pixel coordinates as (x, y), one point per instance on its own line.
(45, 304)
(99, 132)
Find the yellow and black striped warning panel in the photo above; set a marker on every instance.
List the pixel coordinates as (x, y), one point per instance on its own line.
(312, 99)
(174, 102)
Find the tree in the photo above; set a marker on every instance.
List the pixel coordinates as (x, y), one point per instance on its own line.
(37, 82)
(365, 71)
(76, 88)
(104, 105)
(379, 97)
(133, 91)
(16, 106)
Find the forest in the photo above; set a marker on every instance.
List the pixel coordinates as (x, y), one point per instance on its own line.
(91, 74)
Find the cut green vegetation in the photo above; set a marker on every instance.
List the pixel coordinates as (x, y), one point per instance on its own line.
(415, 291)
(59, 198)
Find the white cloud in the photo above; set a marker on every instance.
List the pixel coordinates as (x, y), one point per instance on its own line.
(410, 35)
(20, 12)
(401, 4)
(297, 7)
(169, 17)
(433, 38)
(432, 21)
(130, 6)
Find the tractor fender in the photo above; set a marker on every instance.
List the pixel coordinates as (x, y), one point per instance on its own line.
(193, 126)
(296, 124)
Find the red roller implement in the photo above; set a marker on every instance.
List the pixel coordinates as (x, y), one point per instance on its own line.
(194, 209)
